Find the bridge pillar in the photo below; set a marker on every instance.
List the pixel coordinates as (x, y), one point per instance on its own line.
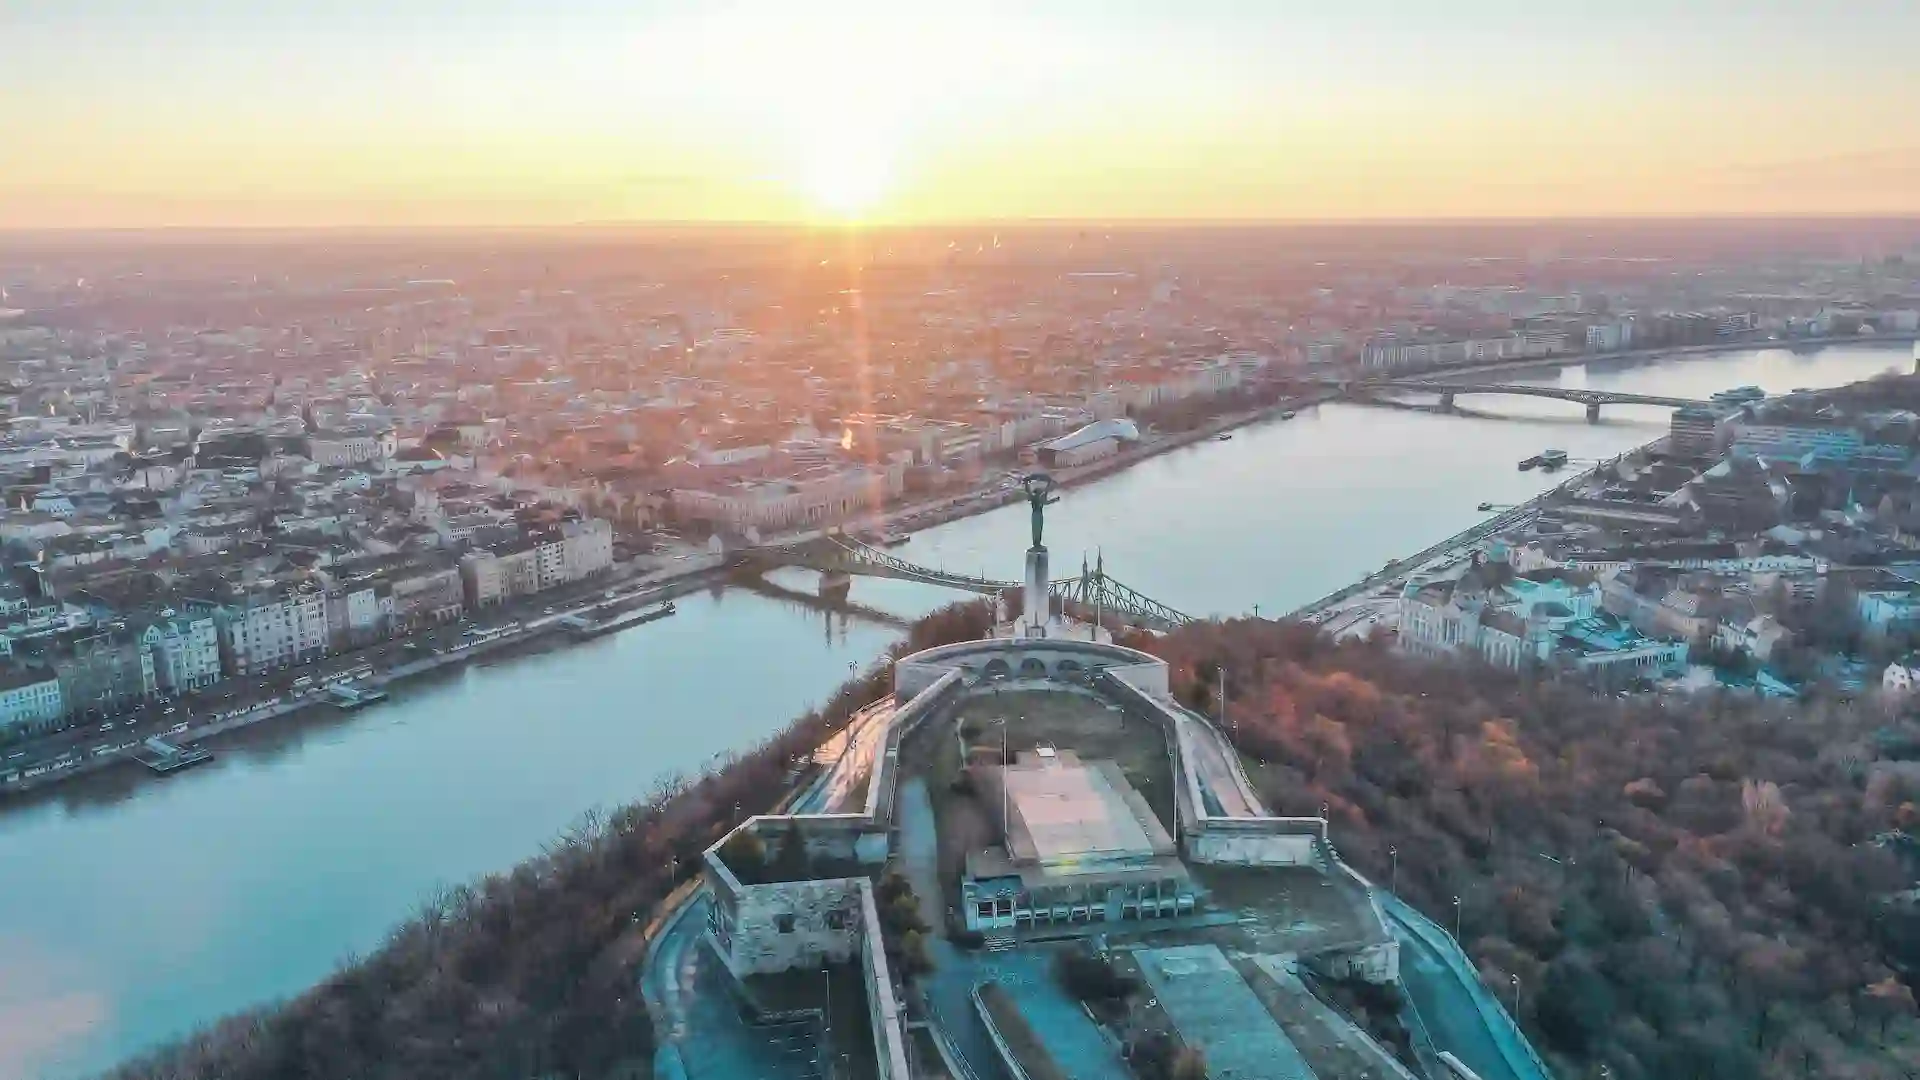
(835, 583)
(1593, 413)
(1446, 402)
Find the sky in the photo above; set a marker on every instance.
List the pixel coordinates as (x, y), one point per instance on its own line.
(138, 113)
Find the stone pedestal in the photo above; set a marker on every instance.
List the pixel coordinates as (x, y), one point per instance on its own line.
(1037, 606)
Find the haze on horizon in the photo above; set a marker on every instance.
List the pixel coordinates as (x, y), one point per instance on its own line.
(123, 113)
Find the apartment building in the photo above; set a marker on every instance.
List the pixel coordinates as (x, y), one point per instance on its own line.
(338, 449)
(184, 648)
(30, 699)
(272, 629)
(560, 554)
(101, 671)
(816, 497)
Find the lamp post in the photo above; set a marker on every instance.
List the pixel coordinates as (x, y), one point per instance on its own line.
(1002, 721)
(1456, 920)
(1393, 882)
(1516, 997)
(1234, 728)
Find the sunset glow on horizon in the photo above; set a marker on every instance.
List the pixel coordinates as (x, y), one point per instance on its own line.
(219, 112)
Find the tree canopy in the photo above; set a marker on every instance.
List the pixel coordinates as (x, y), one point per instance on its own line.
(1689, 887)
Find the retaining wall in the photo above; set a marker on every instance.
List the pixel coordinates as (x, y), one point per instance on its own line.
(1264, 841)
(884, 1013)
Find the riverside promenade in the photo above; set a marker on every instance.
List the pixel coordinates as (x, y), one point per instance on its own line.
(66, 755)
(1451, 546)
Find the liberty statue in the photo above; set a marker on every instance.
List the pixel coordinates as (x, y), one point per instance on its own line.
(1036, 606)
(1039, 489)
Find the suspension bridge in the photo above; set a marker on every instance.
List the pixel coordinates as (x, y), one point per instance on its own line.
(1092, 590)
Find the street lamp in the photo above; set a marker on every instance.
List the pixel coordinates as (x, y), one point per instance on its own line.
(1393, 885)
(1456, 920)
(1516, 997)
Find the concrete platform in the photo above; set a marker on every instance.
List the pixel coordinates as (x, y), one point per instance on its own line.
(1219, 1014)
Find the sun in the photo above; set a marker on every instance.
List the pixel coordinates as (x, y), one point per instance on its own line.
(847, 177)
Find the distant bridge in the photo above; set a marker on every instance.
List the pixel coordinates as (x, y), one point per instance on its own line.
(1592, 399)
(1091, 590)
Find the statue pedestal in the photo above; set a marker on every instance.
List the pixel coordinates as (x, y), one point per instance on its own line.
(1036, 605)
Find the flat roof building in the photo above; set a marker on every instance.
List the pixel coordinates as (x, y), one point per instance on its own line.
(1079, 845)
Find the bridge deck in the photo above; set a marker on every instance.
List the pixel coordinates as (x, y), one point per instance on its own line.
(1093, 590)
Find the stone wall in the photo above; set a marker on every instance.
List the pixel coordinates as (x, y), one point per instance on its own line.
(906, 717)
(1377, 963)
(884, 1013)
(1124, 687)
(788, 924)
(1256, 842)
(1062, 659)
(843, 838)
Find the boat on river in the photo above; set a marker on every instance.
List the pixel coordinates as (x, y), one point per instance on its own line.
(163, 757)
(348, 696)
(584, 628)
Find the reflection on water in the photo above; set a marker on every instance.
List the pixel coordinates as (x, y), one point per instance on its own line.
(133, 909)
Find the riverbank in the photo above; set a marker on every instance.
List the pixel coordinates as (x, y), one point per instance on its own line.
(309, 838)
(936, 512)
(1668, 352)
(76, 763)
(1465, 538)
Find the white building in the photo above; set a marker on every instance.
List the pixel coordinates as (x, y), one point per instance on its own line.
(1100, 439)
(274, 630)
(186, 651)
(572, 552)
(1512, 620)
(337, 449)
(588, 547)
(815, 498)
(30, 698)
(483, 577)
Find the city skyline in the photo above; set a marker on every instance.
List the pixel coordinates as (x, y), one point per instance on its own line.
(210, 113)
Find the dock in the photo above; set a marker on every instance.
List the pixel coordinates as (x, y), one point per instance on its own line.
(583, 628)
(348, 696)
(163, 757)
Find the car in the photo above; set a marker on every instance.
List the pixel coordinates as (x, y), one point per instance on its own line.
(546, 611)
(170, 710)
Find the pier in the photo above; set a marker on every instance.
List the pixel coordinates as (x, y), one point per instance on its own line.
(349, 696)
(163, 757)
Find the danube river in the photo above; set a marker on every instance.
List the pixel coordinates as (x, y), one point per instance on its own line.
(133, 910)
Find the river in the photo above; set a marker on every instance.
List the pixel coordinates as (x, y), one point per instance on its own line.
(132, 910)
